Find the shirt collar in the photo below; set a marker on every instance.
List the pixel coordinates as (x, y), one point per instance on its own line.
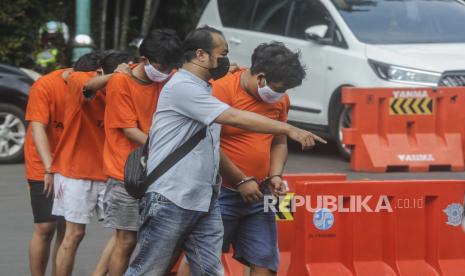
(194, 78)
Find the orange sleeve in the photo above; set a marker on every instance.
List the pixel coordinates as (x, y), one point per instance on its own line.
(221, 91)
(120, 107)
(38, 105)
(285, 110)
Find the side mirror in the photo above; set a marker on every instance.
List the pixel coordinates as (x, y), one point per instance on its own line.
(316, 33)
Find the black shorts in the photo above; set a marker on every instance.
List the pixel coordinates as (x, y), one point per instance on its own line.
(40, 203)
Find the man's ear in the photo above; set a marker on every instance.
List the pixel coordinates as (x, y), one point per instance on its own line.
(261, 79)
(201, 55)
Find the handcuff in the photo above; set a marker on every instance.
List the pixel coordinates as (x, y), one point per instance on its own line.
(253, 178)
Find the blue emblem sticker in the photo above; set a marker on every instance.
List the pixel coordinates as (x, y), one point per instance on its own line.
(454, 214)
(323, 219)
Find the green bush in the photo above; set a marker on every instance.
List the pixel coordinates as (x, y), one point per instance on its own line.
(20, 21)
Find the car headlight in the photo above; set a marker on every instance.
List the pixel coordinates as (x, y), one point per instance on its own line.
(404, 75)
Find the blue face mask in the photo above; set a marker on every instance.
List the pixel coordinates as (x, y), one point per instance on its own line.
(268, 95)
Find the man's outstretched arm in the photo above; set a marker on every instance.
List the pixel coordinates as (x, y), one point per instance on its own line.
(257, 123)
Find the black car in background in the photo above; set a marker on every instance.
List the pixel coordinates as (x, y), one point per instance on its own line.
(14, 90)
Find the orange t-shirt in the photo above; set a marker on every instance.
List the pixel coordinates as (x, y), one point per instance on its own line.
(130, 104)
(45, 105)
(249, 151)
(80, 150)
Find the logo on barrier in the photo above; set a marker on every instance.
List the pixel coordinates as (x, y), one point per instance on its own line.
(415, 157)
(454, 214)
(411, 106)
(284, 209)
(323, 219)
(410, 94)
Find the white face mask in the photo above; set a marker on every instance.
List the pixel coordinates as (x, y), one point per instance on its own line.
(153, 74)
(268, 95)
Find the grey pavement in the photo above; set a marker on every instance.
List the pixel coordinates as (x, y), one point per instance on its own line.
(16, 217)
(16, 228)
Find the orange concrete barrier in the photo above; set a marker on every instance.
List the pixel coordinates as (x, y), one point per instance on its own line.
(416, 230)
(454, 96)
(286, 226)
(405, 129)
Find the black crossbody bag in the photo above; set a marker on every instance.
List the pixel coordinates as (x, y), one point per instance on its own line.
(136, 180)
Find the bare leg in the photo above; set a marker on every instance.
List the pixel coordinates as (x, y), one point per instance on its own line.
(39, 247)
(103, 264)
(67, 252)
(61, 227)
(125, 244)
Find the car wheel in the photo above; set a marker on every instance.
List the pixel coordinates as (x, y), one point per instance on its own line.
(12, 133)
(343, 119)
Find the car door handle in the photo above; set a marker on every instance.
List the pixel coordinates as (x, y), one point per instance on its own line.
(235, 40)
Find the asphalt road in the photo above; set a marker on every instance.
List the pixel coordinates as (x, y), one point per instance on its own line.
(16, 217)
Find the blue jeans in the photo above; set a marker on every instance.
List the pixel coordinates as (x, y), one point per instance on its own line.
(251, 231)
(167, 229)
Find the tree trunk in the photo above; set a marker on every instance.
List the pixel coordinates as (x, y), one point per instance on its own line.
(103, 24)
(145, 26)
(125, 25)
(153, 13)
(117, 24)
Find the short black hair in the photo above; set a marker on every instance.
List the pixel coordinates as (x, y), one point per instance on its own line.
(162, 46)
(102, 53)
(279, 64)
(87, 62)
(113, 59)
(200, 38)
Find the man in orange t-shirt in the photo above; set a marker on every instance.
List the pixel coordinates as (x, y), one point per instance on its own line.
(79, 181)
(45, 115)
(252, 164)
(45, 112)
(131, 102)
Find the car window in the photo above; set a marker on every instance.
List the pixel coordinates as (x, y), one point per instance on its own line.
(308, 13)
(236, 13)
(339, 39)
(404, 21)
(270, 16)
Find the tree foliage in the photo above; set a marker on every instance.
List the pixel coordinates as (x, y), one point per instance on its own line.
(20, 21)
(181, 15)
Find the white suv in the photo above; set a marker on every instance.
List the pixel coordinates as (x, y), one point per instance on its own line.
(364, 43)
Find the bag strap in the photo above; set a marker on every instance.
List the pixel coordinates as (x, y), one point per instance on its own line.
(175, 156)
